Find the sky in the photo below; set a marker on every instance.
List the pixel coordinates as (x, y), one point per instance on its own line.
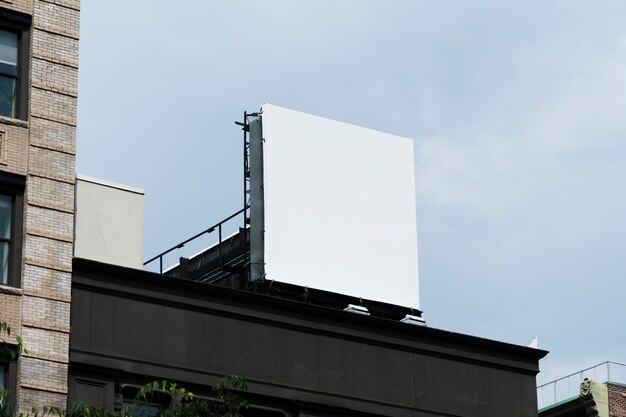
(517, 110)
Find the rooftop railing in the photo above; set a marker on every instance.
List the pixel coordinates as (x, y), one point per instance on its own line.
(216, 227)
(568, 387)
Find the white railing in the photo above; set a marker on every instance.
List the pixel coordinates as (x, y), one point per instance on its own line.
(568, 386)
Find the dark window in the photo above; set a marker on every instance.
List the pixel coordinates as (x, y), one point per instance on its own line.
(8, 72)
(129, 407)
(8, 371)
(6, 217)
(11, 206)
(158, 402)
(14, 39)
(4, 391)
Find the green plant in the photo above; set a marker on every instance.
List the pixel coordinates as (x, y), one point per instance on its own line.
(5, 410)
(185, 404)
(6, 329)
(80, 409)
(230, 405)
(171, 388)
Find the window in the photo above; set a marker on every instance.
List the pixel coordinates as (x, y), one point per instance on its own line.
(14, 38)
(8, 372)
(6, 219)
(8, 72)
(159, 401)
(11, 207)
(4, 391)
(140, 410)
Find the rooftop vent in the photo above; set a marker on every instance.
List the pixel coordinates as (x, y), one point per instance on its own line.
(352, 308)
(414, 320)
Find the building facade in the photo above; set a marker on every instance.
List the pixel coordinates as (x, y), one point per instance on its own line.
(38, 99)
(299, 358)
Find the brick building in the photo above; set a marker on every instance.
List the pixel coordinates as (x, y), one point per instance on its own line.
(38, 94)
(617, 400)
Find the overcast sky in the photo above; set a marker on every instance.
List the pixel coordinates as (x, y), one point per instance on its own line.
(517, 109)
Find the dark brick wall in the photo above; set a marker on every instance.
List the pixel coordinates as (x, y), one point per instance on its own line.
(617, 400)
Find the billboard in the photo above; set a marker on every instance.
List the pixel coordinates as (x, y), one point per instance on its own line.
(338, 205)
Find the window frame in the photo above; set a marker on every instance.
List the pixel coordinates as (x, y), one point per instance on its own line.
(13, 186)
(20, 24)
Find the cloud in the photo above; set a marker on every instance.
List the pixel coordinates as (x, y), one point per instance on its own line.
(457, 174)
(591, 108)
(488, 171)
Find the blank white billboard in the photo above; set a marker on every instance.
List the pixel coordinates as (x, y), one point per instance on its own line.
(339, 203)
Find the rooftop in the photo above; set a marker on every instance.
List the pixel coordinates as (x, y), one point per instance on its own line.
(568, 387)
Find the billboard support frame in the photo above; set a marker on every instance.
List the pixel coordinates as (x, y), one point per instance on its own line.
(255, 193)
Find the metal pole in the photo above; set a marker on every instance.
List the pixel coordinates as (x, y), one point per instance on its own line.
(245, 168)
(219, 246)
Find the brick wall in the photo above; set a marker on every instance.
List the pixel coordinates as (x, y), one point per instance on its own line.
(43, 148)
(11, 303)
(13, 145)
(617, 400)
(24, 6)
(49, 206)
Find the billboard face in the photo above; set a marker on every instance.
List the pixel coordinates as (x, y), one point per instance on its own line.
(339, 205)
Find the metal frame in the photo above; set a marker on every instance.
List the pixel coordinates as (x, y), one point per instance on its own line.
(253, 195)
(252, 155)
(245, 127)
(256, 200)
(211, 229)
